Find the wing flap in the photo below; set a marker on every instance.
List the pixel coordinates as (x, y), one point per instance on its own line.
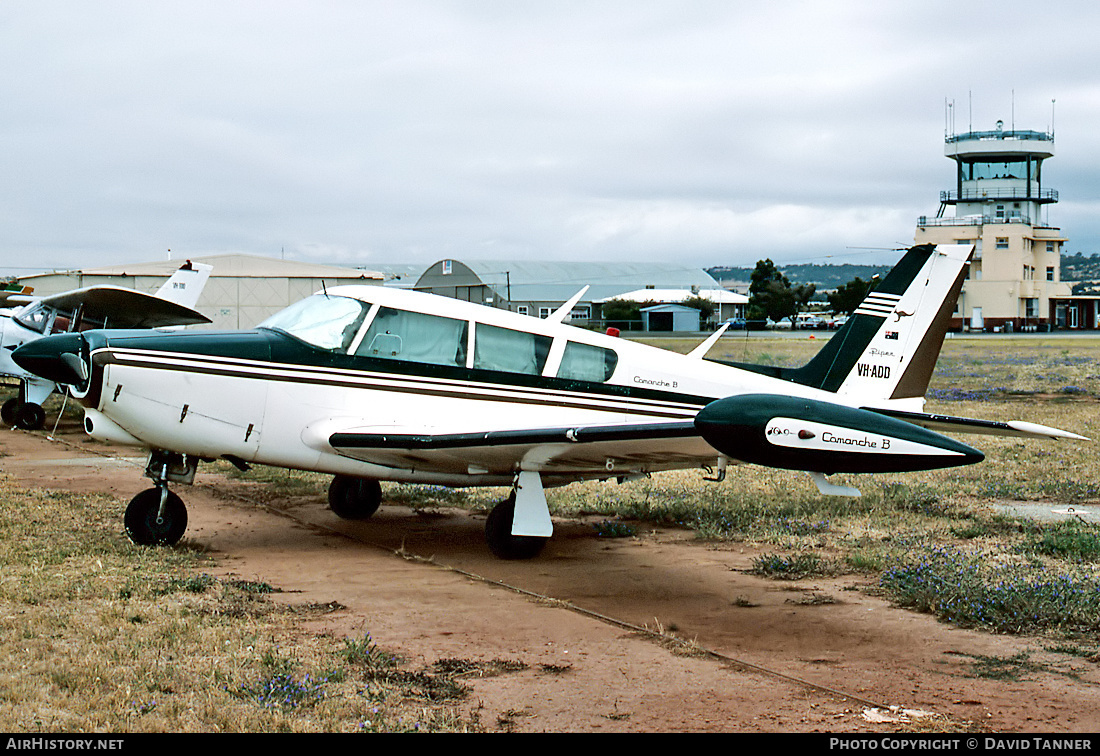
(583, 450)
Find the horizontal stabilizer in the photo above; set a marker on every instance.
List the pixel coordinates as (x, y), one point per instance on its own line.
(947, 423)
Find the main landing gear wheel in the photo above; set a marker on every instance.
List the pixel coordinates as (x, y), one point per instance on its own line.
(148, 525)
(354, 498)
(498, 534)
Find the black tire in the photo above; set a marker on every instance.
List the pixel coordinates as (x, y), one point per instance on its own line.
(9, 409)
(143, 526)
(30, 416)
(498, 534)
(354, 498)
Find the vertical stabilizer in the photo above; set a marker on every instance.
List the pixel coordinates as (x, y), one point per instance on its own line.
(186, 284)
(889, 347)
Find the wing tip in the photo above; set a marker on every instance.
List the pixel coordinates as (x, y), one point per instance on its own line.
(1035, 429)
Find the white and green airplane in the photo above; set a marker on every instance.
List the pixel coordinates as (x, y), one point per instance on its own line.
(368, 383)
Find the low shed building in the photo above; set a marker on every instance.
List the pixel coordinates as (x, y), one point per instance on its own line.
(670, 317)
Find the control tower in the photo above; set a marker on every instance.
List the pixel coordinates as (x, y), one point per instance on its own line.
(999, 206)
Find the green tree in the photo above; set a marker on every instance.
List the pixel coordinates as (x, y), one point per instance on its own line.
(771, 294)
(849, 296)
(703, 305)
(622, 313)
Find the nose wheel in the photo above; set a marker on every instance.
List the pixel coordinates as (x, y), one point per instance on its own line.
(23, 415)
(156, 517)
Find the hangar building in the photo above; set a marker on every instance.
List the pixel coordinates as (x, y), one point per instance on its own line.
(538, 288)
(242, 290)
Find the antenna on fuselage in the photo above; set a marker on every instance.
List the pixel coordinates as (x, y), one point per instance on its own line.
(562, 312)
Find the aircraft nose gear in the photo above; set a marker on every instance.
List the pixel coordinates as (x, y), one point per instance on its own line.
(23, 415)
(157, 516)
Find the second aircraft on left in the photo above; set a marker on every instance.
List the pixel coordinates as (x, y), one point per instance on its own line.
(82, 309)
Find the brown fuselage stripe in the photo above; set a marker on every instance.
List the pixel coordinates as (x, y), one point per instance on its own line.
(177, 362)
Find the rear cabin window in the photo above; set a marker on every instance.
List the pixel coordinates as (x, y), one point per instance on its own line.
(415, 337)
(584, 362)
(509, 351)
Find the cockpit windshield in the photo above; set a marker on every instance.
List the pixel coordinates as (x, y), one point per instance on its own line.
(322, 320)
(35, 317)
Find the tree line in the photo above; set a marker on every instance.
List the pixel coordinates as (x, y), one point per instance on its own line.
(773, 297)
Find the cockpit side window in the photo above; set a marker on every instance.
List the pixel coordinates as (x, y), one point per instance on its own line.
(415, 337)
(584, 362)
(324, 321)
(509, 351)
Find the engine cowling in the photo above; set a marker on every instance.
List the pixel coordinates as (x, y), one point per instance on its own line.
(815, 436)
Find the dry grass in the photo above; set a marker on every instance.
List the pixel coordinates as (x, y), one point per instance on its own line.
(97, 634)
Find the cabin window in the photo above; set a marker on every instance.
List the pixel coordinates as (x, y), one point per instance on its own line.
(510, 351)
(584, 362)
(321, 320)
(415, 337)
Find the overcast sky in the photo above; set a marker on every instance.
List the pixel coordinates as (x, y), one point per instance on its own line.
(712, 132)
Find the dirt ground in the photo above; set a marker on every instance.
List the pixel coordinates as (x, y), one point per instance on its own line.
(586, 619)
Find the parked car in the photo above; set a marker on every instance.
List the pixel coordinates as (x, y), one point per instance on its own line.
(837, 322)
(736, 324)
(808, 322)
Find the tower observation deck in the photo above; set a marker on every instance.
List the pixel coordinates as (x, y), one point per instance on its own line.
(999, 175)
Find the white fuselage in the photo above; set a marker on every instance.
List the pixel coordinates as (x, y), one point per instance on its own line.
(283, 413)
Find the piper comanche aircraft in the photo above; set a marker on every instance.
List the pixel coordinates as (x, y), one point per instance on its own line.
(83, 309)
(369, 383)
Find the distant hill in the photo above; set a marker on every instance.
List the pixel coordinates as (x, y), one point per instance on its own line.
(825, 276)
(1076, 267)
(1080, 268)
